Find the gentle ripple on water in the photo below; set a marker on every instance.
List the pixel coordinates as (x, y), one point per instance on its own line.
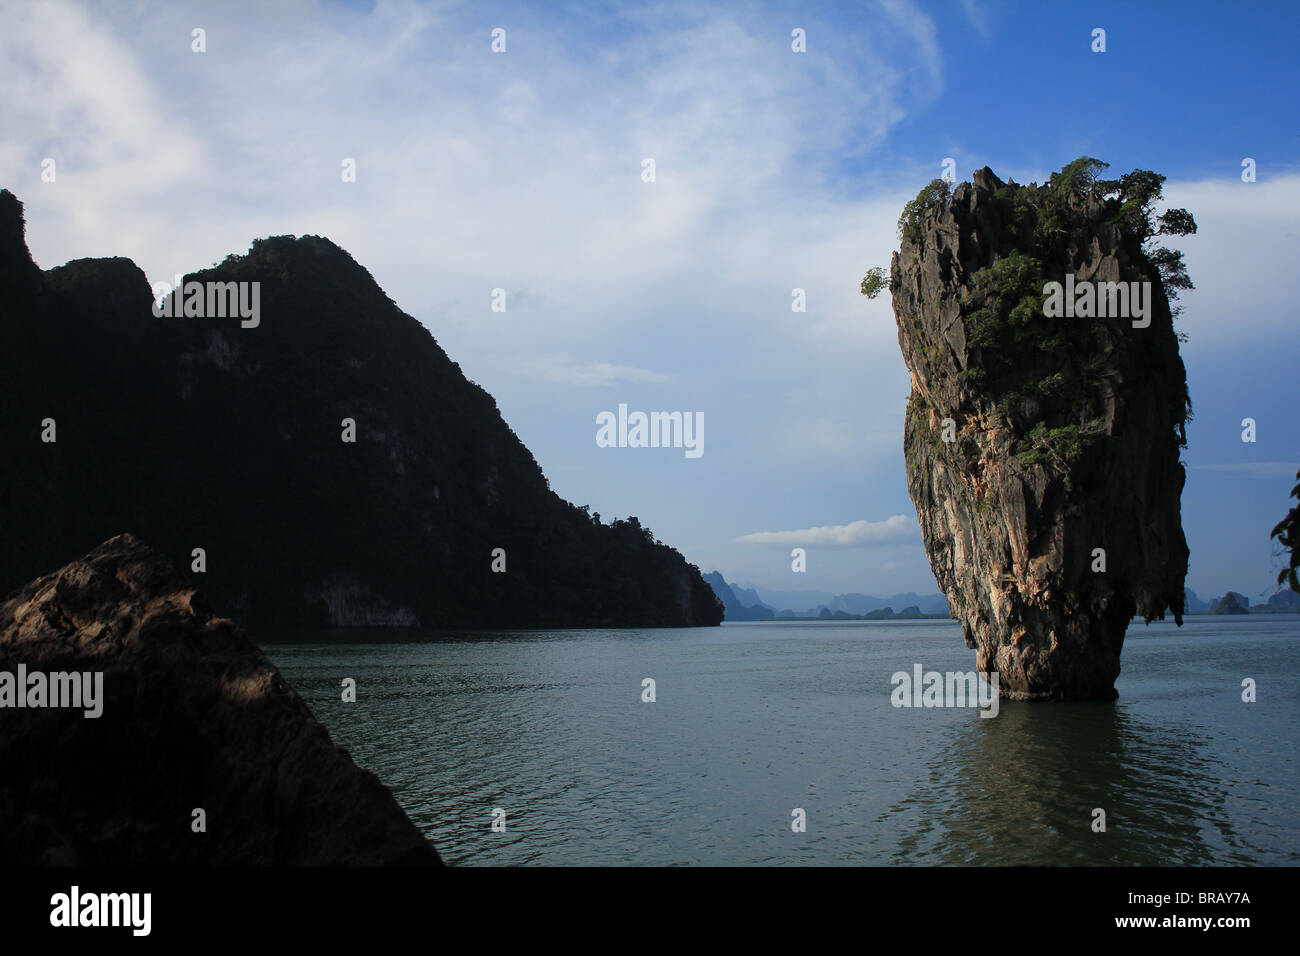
(753, 720)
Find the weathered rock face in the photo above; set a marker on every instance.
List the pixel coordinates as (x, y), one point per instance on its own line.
(191, 716)
(1052, 514)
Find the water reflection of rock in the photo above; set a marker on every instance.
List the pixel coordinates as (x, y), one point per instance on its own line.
(1021, 789)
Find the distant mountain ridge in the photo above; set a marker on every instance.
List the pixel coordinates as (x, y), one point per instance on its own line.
(749, 597)
(757, 603)
(791, 603)
(734, 609)
(751, 602)
(1234, 602)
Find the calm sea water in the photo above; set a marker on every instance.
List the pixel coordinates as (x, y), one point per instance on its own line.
(754, 720)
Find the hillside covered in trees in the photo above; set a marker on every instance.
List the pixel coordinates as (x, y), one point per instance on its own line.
(228, 436)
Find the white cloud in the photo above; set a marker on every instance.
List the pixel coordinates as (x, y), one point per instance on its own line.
(921, 30)
(519, 168)
(1246, 239)
(74, 92)
(893, 529)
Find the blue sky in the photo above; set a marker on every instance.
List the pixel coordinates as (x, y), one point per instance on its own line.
(774, 171)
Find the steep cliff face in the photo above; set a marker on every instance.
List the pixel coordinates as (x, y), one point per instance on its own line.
(228, 434)
(1042, 452)
(188, 716)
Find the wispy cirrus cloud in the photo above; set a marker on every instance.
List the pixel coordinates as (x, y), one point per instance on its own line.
(978, 18)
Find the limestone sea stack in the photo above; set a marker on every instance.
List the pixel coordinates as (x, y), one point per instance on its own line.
(191, 717)
(1044, 427)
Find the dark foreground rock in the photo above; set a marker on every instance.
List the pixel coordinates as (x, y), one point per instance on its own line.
(1042, 452)
(193, 716)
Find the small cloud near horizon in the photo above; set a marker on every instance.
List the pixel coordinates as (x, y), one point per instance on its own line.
(602, 374)
(856, 534)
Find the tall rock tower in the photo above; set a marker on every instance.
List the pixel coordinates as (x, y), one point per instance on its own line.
(1043, 430)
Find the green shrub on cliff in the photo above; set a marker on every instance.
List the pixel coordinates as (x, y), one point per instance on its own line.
(1058, 446)
(1002, 308)
(873, 282)
(928, 199)
(1048, 379)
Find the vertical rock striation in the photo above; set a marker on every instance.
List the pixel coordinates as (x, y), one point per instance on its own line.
(1051, 514)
